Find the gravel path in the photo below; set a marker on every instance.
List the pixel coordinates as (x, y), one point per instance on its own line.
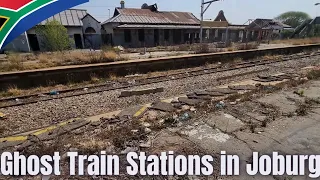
(31, 116)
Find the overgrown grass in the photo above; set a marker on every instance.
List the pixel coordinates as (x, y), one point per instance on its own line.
(19, 62)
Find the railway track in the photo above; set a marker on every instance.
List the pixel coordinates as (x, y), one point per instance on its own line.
(34, 98)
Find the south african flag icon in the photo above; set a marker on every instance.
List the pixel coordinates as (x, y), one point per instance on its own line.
(17, 16)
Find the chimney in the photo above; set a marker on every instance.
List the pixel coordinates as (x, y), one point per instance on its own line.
(122, 4)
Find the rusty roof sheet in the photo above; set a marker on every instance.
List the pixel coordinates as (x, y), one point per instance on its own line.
(146, 26)
(70, 17)
(147, 16)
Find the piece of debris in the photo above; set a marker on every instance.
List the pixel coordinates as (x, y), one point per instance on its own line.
(145, 145)
(223, 90)
(2, 116)
(233, 103)
(73, 149)
(17, 100)
(129, 149)
(140, 92)
(133, 75)
(175, 100)
(184, 117)
(145, 124)
(162, 106)
(192, 109)
(85, 89)
(152, 115)
(147, 130)
(243, 87)
(185, 108)
(95, 123)
(54, 92)
(190, 102)
(220, 105)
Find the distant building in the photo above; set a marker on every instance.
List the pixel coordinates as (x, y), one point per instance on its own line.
(82, 28)
(132, 27)
(265, 29)
(220, 30)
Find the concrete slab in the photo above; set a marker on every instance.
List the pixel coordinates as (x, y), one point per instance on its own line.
(285, 101)
(312, 92)
(297, 134)
(130, 112)
(243, 87)
(214, 141)
(191, 102)
(162, 106)
(168, 141)
(224, 122)
(223, 90)
(140, 92)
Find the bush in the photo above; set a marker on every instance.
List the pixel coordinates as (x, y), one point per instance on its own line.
(54, 36)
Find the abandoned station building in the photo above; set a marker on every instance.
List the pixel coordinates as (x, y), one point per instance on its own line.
(135, 27)
(148, 27)
(82, 28)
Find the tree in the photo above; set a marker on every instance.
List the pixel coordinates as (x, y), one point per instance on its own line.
(54, 36)
(293, 18)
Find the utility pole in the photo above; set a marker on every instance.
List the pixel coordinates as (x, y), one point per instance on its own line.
(203, 10)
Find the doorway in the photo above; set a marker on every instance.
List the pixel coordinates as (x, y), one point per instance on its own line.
(78, 41)
(33, 42)
(156, 37)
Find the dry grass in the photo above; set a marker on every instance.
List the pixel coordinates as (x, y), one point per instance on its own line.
(18, 62)
(247, 46)
(14, 91)
(313, 40)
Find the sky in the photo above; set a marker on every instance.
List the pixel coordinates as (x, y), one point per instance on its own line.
(236, 11)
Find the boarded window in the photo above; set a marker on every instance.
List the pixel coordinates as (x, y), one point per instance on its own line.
(141, 35)
(166, 34)
(127, 35)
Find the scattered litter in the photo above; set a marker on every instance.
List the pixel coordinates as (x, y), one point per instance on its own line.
(175, 100)
(185, 108)
(233, 103)
(17, 100)
(129, 149)
(219, 63)
(145, 124)
(173, 77)
(146, 144)
(2, 116)
(133, 75)
(184, 117)
(220, 105)
(95, 123)
(73, 149)
(134, 131)
(147, 130)
(54, 92)
(85, 89)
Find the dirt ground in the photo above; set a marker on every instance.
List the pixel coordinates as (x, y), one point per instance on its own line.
(276, 118)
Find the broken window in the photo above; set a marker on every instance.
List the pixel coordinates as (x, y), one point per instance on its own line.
(166, 34)
(127, 35)
(141, 35)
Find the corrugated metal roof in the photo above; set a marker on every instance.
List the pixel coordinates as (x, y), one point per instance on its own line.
(70, 17)
(266, 24)
(158, 26)
(147, 16)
